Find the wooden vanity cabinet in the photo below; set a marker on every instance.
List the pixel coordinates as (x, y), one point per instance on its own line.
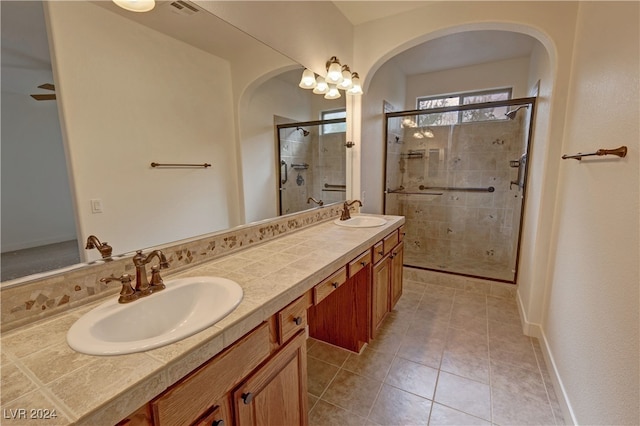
(380, 293)
(247, 382)
(397, 259)
(386, 285)
(218, 415)
(276, 394)
(342, 316)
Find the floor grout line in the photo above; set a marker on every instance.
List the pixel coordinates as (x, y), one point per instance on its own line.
(500, 317)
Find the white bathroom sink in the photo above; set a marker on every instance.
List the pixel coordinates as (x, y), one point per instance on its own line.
(185, 307)
(361, 222)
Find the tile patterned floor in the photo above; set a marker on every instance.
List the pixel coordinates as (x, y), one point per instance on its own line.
(442, 357)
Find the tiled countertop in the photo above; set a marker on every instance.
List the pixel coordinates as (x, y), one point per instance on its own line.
(40, 373)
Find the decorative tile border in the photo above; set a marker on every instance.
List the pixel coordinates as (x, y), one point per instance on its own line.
(50, 295)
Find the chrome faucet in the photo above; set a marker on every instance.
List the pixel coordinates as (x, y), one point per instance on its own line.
(143, 287)
(318, 202)
(346, 215)
(104, 248)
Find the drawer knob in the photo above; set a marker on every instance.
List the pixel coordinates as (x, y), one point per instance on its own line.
(335, 284)
(217, 423)
(247, 398)
(363, 263)
(380, 252)
(297, 320)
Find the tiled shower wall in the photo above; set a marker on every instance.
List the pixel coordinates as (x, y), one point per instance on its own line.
(325, 155)
(330, 167)
(295, 148)
(472, 233)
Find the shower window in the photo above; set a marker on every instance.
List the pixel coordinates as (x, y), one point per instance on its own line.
(472, 115)
(334, 127)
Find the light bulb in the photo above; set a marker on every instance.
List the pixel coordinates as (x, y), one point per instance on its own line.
(333, 92)
(334, 71)
(136, 5)
(345, 84)
(308, 80)
(321, 86)
(355, 89)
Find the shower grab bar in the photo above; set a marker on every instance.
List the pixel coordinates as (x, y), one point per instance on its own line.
(286, 172)
(303, 166)
(620, 152)
(154, 164)
(334, 190)
(414, 193)
(402, 192)
(453, 188)
(328, 185)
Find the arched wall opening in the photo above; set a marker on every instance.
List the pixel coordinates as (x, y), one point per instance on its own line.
(368, 181)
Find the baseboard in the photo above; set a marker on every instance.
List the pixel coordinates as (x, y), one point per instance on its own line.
(537, 331)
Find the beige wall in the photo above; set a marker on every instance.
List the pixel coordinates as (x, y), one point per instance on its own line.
(591, 320)
(493, 75)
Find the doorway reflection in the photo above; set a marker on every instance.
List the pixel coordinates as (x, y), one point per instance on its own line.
(312, 163)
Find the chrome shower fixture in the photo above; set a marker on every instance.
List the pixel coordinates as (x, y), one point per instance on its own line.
(304, 132)
(512, 114)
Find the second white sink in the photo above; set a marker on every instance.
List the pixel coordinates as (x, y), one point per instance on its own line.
(185, 307)
(361, 222)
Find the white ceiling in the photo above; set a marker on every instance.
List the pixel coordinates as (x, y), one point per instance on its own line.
(453, 51)
(359, 12)
(464, 49)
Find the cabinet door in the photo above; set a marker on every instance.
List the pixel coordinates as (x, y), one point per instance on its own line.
(380, 293)
(396, 274)
(276, 394)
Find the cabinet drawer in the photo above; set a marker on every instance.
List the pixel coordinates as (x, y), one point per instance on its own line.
(359, 262)
(327, 286)
(219, 415)
(402, 233)
(390, 241)
(378, 252)
(291, 319)
(193, 396)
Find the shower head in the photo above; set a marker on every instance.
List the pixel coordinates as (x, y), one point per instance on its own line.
(304, 132)
(512, 114)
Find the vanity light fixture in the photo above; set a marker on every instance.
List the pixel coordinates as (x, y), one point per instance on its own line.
(346, 82)
(424, 132)
(308, 80)
(356, 88)
(334, 71)
(321, 86)
(333, 92)
(136, 5)
(338, 77)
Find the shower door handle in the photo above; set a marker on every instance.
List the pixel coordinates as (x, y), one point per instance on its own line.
(286, 172)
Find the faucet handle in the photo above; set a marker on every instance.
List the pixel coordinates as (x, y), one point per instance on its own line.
(156, 283)
(127, 293)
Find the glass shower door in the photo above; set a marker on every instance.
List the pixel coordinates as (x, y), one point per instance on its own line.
(312, 160)
(460, 184)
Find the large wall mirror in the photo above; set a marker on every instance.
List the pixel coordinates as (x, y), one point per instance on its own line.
(176, 85)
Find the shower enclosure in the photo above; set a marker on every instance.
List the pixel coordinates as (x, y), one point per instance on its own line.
(312, 163)
(458, 175)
